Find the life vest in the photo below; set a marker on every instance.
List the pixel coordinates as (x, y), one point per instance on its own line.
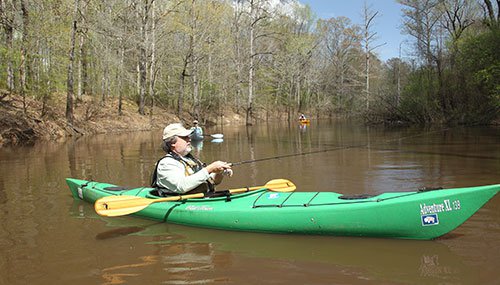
(191, 166)
(197, 132)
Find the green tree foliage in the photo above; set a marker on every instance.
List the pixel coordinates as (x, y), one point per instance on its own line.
(201, 58)
(455, 78)
(479, 62)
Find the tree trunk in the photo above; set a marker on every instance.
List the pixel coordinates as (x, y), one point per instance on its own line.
(367, 77)
(254, 18)
(180, 97)
(143, 57)
(82, 65)
(152, 64)
(250, 78)
(69, 84)
(194, 58)
(196, 88)
(398, 97)
(494, 22)
(9, 35)
(297, 92)
(79, 93)
(22, 64)
(121, 88)
(369, 37)
(105, 81)
(239, 62)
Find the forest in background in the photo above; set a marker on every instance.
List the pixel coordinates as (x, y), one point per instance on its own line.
(257, 58)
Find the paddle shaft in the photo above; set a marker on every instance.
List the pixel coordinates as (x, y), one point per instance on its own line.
(201, 195)
(112, 206)
(125, 202)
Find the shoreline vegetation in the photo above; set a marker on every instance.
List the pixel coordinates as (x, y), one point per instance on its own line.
(48, 123)
(83, 67)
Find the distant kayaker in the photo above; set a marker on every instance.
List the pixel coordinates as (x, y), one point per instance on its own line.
(197, 131)
(179, 172)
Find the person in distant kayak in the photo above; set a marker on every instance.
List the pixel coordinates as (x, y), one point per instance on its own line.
(197, 133)
(179, 172)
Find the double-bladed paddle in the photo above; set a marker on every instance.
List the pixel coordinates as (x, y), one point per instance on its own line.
(113, 206)
(215, 136)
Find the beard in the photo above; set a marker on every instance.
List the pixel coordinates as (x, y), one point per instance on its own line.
(188, 149)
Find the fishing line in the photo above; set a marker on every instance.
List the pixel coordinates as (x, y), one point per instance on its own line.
(440, 153)
(332, 149)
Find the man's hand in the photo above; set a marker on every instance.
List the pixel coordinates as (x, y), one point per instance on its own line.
(218, 167)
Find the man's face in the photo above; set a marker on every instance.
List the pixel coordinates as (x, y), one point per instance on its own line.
(182, 146)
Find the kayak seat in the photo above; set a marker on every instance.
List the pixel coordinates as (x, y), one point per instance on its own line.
(216, 194)
(356, 196)
(159, 193)
(118, 188)
(429, 188)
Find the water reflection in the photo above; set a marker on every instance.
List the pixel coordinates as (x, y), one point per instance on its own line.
(303, 127)
(193, 254)
(197, 145)
(112, 277)
(43, 229)
(431, 267)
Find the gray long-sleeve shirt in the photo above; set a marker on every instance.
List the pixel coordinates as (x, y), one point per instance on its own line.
(177, 178)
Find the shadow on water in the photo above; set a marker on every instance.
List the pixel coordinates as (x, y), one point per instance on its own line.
(119, 232)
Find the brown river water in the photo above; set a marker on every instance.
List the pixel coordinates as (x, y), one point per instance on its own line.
(47, 237)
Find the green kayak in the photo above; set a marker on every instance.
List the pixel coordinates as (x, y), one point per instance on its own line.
(424, 214)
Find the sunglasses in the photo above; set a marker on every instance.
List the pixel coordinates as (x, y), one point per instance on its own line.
(186, 138)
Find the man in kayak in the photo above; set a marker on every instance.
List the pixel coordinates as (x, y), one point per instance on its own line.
(197, 131)
(179, 172)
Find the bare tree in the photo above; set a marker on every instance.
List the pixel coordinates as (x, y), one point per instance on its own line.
(421, 22)
(237, 36)
(144, 10)
(341, 46)
(69, 82)
(152, 64)
(7, 21)
(369, 37)
(458, 16)
(23, 64)
(256, 15)
(493, 21)
(82, 59)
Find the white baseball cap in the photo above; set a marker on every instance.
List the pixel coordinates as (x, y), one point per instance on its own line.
(175, 129)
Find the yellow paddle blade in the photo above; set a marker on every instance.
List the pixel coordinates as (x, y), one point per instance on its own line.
(275, 185)
(112, 206)
(280, 185)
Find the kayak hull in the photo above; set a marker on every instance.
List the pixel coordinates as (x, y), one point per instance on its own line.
(407, 215)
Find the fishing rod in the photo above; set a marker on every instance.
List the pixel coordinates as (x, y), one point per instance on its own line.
(329, 149)
(294, 154)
